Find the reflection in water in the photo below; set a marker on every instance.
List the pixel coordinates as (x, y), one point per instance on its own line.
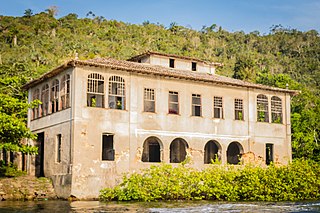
(158, 207)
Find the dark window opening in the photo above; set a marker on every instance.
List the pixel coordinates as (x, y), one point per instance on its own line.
(55, 96)
(218, 107)
(171, 62)
(234, 153)
(212, 152)
(194, 66)
(58, 148)
(269, 153)
(238, 109)
(107, 147)
(178, 151)
(151, 150)
(276, 110)
(139, 61)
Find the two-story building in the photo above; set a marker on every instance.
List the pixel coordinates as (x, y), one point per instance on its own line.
(103, 117)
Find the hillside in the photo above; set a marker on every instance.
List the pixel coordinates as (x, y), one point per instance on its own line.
(34, 44)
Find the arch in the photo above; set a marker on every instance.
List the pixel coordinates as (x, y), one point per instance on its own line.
(152, 150)
(35, 110)
(65, 91)
(95, 90)
(276, 109)
(178, 150)
(44, 107)
(262, 108)
(117, 92)
(55, 96)
(234, 152)
(212, 151)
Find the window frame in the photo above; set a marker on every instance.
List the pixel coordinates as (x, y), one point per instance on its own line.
(149, 97)
(194, 106)
(172, 111)
(172, 63)
(65, 92)
(238, 109)
(193, 66)
(95, 82)
(45, 93)
(36, 110)
(55, 95)
(117, 93)
(276, 110)
(262, 108)
(218, 107)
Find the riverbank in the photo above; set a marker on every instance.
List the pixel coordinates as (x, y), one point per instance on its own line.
(26, 188)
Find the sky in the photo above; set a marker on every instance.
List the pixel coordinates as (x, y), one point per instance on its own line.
(231, 15)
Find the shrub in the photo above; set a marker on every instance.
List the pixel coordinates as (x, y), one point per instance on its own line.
(297, 181)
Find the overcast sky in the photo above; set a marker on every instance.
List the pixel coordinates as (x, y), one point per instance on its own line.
(232, 15)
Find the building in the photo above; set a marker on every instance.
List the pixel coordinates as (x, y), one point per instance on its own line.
(103, 117)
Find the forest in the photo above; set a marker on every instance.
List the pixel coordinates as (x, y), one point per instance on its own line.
(35, 43)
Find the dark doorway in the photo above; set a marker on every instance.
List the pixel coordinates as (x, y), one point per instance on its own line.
(234, 152)
(178, 150)
(151, 150)
(39, 163)
(211, 152)
(269, 153)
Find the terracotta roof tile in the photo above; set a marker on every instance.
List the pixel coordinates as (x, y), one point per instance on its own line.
(149, 69)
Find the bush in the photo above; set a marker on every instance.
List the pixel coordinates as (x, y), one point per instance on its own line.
(10, 170)
(297, 181)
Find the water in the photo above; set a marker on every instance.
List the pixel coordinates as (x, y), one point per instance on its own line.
(158, 207)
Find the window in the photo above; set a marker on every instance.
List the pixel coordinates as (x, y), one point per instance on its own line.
(35, 110)
(218, 109)
(269, 153)
(95, 91)
(58, 148)
(55, 96)
(262, 108)
(238, 109)
(45, 100)
(171, 62)
(276, 110)
(173, 103)
(107, 147)
(212, 152)
(193, 66)
(196, 105)
(178, 150)
(116, 93)
(234, 153)
(149, 100)
(151, 150)
(65, 92)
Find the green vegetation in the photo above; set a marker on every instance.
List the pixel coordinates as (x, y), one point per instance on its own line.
(10, 170)
(35, 43)
(297, 181)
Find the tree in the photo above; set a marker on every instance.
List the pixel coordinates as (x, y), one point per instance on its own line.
(28, 13)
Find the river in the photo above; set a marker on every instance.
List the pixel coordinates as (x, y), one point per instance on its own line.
(158, 207)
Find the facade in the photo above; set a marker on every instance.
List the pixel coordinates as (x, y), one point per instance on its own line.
(103, 117)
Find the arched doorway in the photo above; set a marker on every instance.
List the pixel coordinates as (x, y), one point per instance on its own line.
(212, 151)
(178, 150)
(234, 153)
(152, 147)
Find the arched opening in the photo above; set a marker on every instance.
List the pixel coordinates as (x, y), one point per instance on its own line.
(212, 151)
(178, 150)
(152, 150)
(234, 153)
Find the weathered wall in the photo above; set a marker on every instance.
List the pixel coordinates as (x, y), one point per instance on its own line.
(132, 126)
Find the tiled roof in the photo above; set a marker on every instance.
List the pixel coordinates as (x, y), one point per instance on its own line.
(149, 69)
(136, 58)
